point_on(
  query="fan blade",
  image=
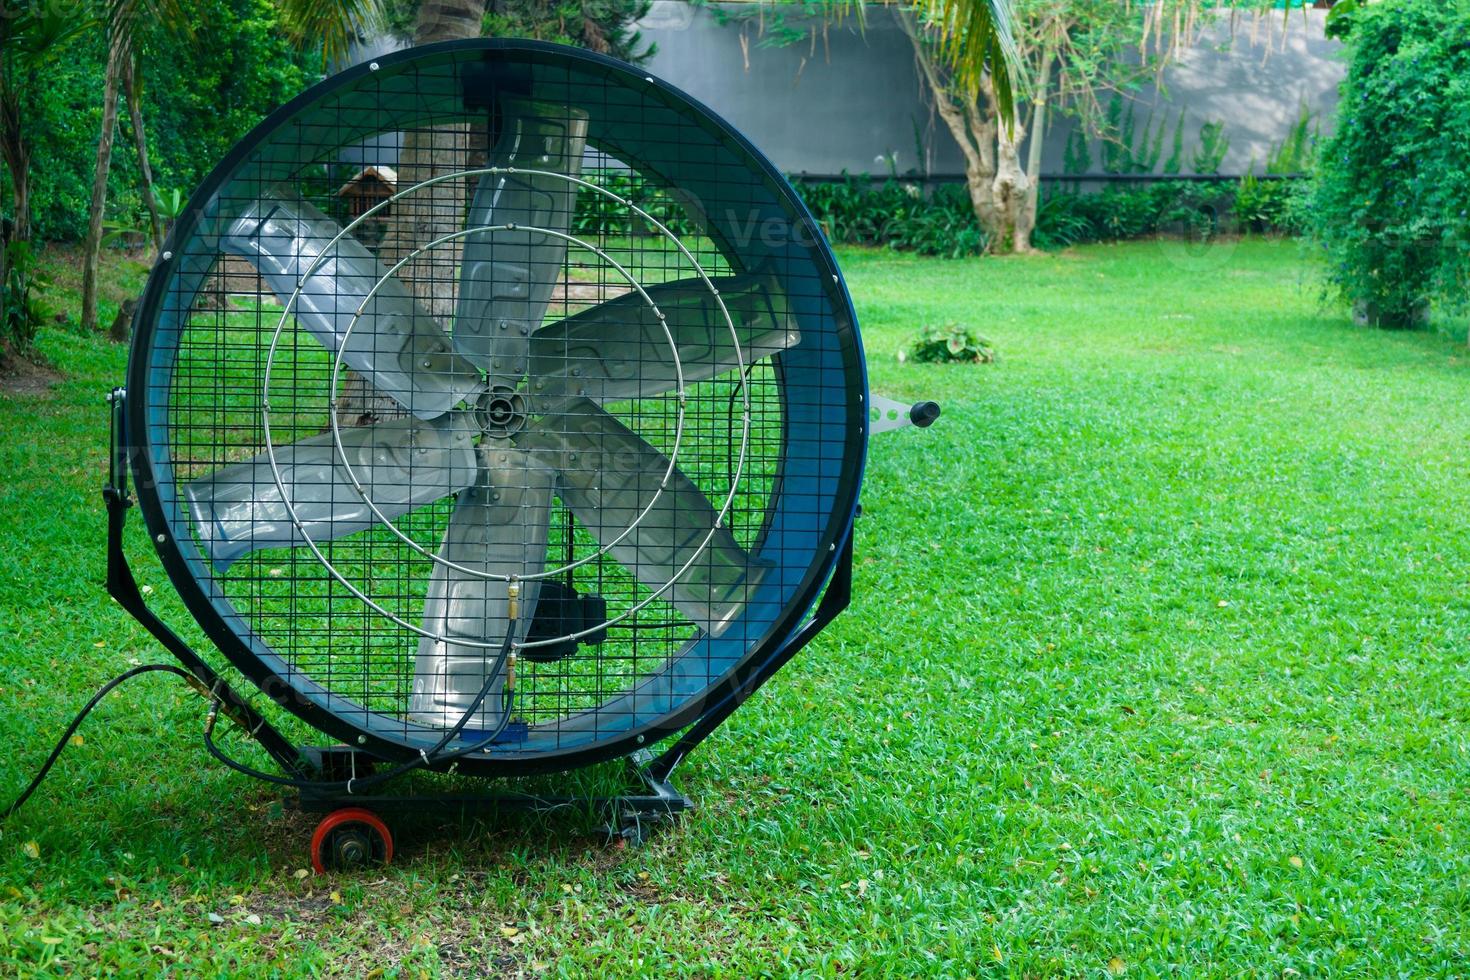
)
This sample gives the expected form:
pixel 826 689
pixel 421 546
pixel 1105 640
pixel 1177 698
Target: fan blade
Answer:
pixel 401 464
pixel 507 277
pixel 619 349
pixel 608 475
pixel 499 526
pixel 395 343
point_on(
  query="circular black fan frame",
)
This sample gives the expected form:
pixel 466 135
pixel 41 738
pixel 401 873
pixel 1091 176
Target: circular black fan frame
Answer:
pixel 494 400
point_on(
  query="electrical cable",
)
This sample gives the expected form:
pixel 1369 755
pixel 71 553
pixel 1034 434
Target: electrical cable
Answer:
pixel 426 757
pixel 76 722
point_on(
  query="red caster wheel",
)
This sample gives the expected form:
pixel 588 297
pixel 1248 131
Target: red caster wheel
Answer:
pixel 349 839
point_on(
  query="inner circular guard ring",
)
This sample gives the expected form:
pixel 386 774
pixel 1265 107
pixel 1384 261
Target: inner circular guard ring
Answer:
pixel 289 633
pixel 509 399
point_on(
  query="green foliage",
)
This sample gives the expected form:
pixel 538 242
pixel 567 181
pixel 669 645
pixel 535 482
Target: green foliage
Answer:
pixel 857 211
pixel 1213 145
pixel 1393 188
pixel 1340 18
pixel 21 287
pixel 1128 150
pixel 1117 146
pixel 1264 204
pixel 201 92
pixel 605 26
pixel 950 343
pixel 944 226
pixel 1060 221
pixel 1298 150
pixel 1175 164
pixel 1077 158
pixel 1123 211
pixel 1156 148
pixel 601 216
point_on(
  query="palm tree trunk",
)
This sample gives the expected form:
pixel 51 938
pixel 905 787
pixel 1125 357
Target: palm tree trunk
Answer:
pixel 16 153
pixel 448 20
pixel 140 140
pixel 972 128
pixel 117 55
pixel 428 214
pixel 1026 219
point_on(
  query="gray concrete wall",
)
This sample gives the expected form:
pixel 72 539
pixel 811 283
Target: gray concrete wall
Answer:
pixel 853 96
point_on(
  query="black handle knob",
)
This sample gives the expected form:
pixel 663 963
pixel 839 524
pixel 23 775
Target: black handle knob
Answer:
pixel 923 414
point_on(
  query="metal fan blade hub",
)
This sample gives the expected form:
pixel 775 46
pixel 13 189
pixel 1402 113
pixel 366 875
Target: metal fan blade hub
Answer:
pixel 501 412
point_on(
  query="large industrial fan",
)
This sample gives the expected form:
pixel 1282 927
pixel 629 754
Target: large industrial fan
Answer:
pixel 494 407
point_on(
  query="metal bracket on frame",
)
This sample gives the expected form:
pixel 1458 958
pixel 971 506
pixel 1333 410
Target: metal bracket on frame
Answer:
pixel 885 414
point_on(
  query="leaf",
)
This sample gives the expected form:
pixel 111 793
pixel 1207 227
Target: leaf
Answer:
pixel 51 940
pixel 31 850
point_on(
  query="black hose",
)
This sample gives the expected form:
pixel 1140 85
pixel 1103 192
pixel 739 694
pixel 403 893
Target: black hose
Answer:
pixel 427 757
pixel 76 722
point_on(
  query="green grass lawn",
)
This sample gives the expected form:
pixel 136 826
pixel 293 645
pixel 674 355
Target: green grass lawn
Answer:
pixel 1157 661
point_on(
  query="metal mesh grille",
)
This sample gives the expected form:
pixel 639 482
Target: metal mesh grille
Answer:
pixel 441 338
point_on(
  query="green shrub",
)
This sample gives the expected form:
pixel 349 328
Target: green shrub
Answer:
pixel 1060 221
pixel 1393 183
pixel 1122 211
pixel 600 216
pixel 951 344
pixel 1267 205
pixel 20 297
pixel 856 211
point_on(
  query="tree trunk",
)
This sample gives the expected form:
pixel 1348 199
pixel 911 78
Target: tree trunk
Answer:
pixel 972 128
pixel 140 140
pixel 421 217
pixel 16 153
pixel 117 55
pixel 1011 190
pixel 980 174
pixel 448 20
pixel 1011 186
pixel 1026 219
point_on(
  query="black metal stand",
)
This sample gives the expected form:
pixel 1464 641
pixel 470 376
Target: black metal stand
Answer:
pixel 651 799
pixel 646 803
pixel 123 587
